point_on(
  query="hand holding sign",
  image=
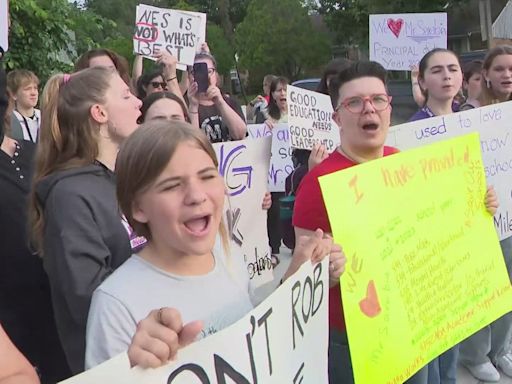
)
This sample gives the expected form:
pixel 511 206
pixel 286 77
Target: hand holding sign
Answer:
pixel 337 262
pixel 315 248
pixel 159 336
pixel 318 154
pixel 166 61
pixel 491 200
pixel 158 29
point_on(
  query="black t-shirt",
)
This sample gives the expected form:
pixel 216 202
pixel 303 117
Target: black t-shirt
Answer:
pixel 210 120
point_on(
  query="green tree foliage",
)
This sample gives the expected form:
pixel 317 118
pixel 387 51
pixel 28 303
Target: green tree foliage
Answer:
pixel 277 37
pixel 91 29
pixel 46 35
pixel 40 37
pixel 348 19
pixel 220 48
pixel 123 20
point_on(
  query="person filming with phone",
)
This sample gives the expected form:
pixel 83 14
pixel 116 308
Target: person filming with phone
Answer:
pixel 219 116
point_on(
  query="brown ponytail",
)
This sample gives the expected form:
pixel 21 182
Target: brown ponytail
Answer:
pixel 68 136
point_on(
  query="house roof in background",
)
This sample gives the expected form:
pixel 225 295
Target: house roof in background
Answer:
pixel 502 26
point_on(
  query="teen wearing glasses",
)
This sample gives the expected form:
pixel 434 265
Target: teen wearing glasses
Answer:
pixel 363 113
pixel 220 117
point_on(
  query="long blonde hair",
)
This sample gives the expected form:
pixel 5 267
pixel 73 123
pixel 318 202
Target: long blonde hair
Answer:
pixel 487 95
pixel 69 136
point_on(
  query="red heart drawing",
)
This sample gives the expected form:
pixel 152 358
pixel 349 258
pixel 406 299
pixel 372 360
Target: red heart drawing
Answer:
pixel 370 305
pixel 395 26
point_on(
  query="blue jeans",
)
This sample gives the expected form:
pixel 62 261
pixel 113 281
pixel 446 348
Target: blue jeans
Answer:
pixel 494 340
pixel 443 369
pixel 420 377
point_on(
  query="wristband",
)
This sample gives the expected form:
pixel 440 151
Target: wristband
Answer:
pixel 194 112
pixel 171 79
pixel 415 83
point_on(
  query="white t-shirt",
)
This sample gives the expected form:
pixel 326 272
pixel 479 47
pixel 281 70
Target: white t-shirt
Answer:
pixel 30 125
pixel 219 298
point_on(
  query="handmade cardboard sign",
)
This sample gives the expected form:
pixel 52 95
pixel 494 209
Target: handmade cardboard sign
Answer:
pixel 493 124
pixel 244 166
pixel 424 266
pixel 310 119
pixel 281 164
pixel 166 30
pixel 201 35
pixel 399 41
pixel 283 340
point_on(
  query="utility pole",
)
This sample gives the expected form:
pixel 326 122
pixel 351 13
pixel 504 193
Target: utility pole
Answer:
pixel 484 7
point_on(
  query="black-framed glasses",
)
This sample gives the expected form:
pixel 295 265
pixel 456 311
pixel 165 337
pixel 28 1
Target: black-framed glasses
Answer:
pixel 157 84
pixel 379 102
pixel 211 71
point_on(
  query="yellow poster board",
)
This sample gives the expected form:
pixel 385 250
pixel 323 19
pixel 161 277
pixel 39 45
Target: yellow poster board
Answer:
pixel 424 266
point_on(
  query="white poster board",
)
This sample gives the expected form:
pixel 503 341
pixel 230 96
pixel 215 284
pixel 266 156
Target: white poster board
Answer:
pixel 494 125
pixel 281 164
pixel 310 119
pixel 283 340
pixel 167 30
pixel 398 41
pixel 201 36
pixel 4 24
pixel 244 166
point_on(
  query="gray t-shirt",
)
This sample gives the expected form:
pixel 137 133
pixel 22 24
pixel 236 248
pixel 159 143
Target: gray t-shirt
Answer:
pixel 219 298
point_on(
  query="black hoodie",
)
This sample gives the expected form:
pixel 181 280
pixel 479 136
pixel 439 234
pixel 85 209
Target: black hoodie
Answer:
pixel 84 241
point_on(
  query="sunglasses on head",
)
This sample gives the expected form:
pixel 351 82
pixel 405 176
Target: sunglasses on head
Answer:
pixel 156 84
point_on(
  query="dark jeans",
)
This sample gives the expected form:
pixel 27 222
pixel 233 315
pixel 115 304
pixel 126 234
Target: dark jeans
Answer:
pixel 274 223
pixel 340 365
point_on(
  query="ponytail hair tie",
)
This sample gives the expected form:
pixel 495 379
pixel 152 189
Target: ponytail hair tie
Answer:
pixel 66 78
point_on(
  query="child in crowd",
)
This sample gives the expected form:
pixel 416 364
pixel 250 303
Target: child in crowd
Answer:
pixel 23 88
pixel 440 78
pixel 74 213
pixel 163 106
pixel 490 347
pixel 102 57
pixel 171 192
pixel 472 84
